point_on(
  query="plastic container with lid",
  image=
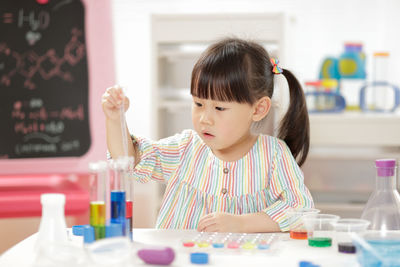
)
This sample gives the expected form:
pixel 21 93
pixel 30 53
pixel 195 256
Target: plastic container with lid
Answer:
pixel 383 206
pixel 351 69
pixel 324 96
pixel 379 95
pixel 352 61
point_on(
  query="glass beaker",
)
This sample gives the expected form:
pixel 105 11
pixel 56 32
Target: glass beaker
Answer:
pixel 343 228
pixel 320 229
pixel 296 225
pixel 383 206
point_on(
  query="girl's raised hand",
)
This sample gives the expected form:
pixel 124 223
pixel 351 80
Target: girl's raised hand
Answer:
pixel 220 222
pixel 112 100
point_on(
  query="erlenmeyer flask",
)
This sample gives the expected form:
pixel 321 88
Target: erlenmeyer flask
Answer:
pixel 53 228
pixel 383 206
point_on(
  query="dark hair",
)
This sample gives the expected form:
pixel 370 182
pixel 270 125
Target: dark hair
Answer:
pixel 240 71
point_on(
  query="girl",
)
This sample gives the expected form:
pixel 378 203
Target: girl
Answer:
pixel 221 176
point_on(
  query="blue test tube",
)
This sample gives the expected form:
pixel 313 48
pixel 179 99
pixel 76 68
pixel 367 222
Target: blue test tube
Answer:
pixel 118 193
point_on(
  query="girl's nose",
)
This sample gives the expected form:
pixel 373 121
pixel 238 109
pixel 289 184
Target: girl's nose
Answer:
pixel 205 118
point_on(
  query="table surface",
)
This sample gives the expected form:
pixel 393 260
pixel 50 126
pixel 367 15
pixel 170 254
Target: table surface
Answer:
pixel 284 252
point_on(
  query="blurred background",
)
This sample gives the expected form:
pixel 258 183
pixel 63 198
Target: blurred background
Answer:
pixel 345 53
pixel 331 47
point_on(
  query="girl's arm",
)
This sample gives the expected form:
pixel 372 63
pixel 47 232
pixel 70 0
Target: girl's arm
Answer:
pixel 258 222
pixel 115 143
pixel 246 223
pixel 111 102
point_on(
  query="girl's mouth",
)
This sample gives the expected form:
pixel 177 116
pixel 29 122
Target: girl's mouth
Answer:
pixel 208 135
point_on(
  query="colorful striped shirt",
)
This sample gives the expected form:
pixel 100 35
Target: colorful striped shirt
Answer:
pixel 266 179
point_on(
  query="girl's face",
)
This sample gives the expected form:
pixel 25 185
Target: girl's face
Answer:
pixel 224 126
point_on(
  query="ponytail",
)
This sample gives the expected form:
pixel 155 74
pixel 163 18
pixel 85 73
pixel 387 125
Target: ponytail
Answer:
pixel 294 128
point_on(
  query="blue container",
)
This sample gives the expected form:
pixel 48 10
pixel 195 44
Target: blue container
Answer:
pixel 338 102
pixel 396 92
pixel 352 62
pixel 329 69
pixel 384 251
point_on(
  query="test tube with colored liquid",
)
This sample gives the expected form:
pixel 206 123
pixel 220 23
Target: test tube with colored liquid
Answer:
pixel 129 200
pixel 118 193
pixel 98 183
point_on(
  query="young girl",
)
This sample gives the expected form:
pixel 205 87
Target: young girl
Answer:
pixel 221 176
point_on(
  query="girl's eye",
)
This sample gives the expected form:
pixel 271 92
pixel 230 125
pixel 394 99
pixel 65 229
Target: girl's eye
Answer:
pixel 219 108
pixel 198 104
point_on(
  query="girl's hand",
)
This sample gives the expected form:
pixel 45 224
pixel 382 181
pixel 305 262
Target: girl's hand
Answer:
pixel 112 100
pixel 220 222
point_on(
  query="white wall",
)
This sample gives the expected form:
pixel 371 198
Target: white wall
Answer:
pixel 316 29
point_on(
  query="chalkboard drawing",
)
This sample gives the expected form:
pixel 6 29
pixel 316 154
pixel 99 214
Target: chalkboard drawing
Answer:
pixel 47 65
pixel 43 80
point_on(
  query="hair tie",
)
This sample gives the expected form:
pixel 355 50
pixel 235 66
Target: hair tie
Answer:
pixel 275 68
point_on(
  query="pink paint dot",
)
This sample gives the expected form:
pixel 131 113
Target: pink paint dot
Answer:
pixel 233 244
pixel 17 105
pixel 42 2
pixel 188 244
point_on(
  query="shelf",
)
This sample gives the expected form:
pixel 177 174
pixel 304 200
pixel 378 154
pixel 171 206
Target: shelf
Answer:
pixel 178 51
pixel 354 129
pixel 172 52
pixel 360 153
pixel 182 94
pixel 175 105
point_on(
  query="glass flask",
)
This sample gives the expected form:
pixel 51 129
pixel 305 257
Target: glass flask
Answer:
pixel 53 228
pixel 383 206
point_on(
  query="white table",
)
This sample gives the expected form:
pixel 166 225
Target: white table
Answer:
pixel 286 252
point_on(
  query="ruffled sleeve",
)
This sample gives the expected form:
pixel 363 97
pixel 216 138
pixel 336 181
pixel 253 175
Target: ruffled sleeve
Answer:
pixel 286 186
pixel 160 159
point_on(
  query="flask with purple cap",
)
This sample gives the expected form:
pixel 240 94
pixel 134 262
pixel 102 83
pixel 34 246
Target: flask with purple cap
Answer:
pixel 383 206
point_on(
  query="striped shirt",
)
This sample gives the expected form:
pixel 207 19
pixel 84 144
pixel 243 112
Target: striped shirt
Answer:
pixel 267 179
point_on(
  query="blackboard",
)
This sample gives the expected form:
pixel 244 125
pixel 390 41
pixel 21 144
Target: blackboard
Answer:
pixel 44 82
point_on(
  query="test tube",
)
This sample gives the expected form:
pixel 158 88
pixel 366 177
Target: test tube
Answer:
pixel 98 183
pixel 129 200
pixel 118 193
pixel 123 125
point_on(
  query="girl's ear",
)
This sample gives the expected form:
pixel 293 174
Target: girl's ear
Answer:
pixel 261 108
